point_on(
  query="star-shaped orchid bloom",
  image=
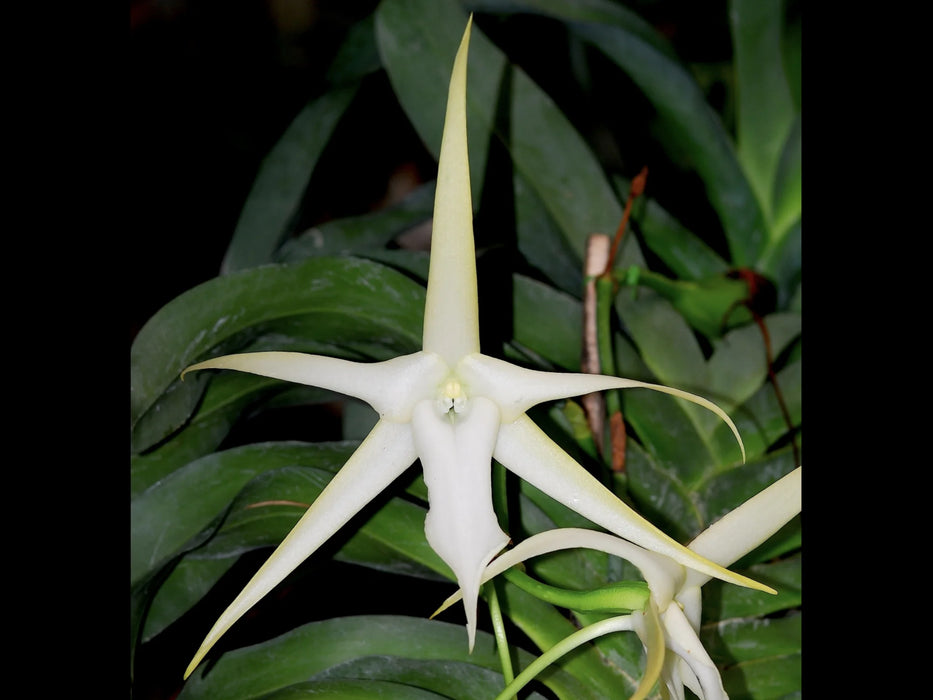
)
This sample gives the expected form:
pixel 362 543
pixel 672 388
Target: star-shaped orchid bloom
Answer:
pixel 671 619
pixel 453 408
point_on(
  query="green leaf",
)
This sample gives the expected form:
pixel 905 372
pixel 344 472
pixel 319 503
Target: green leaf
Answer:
pixel 389 539
pixel 417 41
pixel 548 322
pixel 334 305
pixel 312 649
pixel 388 536
pixel 774 678
pixel 222 404
pixel 660 495
pixel 357 56
pixel 342 689
pixel 787 195
pixel 188 583
pixel 682 251
pixel 561 193
pixel 765 106
pixel 166 516
pixel 760 420
pixel 762 655
pixel 730 487
pixel 696 132
pixel 281 182
pixel 722 601
pixel 665 341
pixel 747 640
pixel 358 234
pixel 456 680
pixel 738 366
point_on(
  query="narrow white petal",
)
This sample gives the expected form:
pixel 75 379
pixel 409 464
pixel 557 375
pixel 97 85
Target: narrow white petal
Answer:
pixel 647 626
pixel 741 530
pixel 673 685
pixel 451 316
pixel 683 641
pixel 527 451
pixel 516 389
pixel 391 387
pixel 461 525
pixel 386 452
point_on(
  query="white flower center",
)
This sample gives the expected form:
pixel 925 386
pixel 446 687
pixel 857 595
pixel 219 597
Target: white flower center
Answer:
pixel 452 397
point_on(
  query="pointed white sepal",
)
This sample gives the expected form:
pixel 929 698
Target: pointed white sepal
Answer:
pixel 385 453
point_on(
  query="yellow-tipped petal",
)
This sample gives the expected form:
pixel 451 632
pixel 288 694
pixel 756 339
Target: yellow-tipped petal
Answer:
pixel 525 449
pixel 742 529
pixel 516 389
pixel 451 315
pixel 379 460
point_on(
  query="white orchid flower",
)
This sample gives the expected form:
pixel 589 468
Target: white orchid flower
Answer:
pixel 453 408
pixel 671 619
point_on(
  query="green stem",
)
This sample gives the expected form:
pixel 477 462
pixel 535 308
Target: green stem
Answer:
pixel 498 628
pixel 613 624
pixel 615 598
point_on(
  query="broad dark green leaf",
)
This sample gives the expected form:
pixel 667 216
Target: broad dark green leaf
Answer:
pixel 728 489
pixel 787 195
pixel 342 689
pixel 683 252
pixel 548 322
pixel 660 495
pixel 282 180
pixel 417 42
pixel 541 242
pixel 696 132
pixel 357 56
pixel 723 601
pixel 665 341
pixel 774 636
pixel 222 404
pixel 359 234
pixel 760 420
pixel 389 535
pixel 557 177
pixel 738 366
pixel 189 581
pixel 765 110
pixel 390 538
pixel 314 648
pixel 774 678
pixel 783 264
pixel 456 680
pixel 169 514
pixel 762 655
pixel 322 304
